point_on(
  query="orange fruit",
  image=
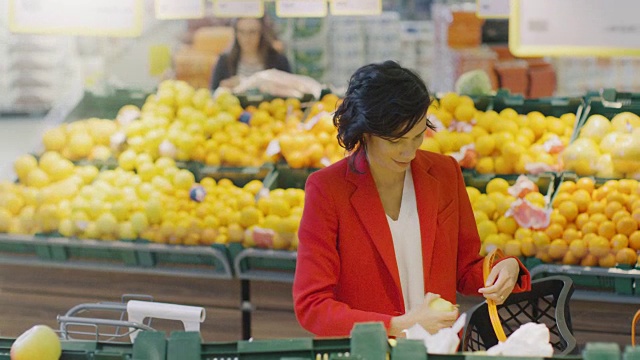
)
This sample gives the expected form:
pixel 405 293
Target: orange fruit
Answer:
pixel 582 198
pixel 598 218
pixel 607 229
pixel 636 215
pixel 607 261
pixel 522 233
pixel 611 184
pixel 596 207
pixel 578 248
pixel 634 240
pixel 567 186
pixel 586 183
pixel 619 215
pixel 543 255
pixel 570 259
pixel 571 226
pixel 617 197
pixel 627 186
pixel 569 210
pixel 513 248
pixel 541 240
pixel 589 260
pixel 557 249
pixel 581 220
pixel 507 225
pixel 557 218
pixel 554 231
pixel 611 208
pixel 599 246
pixel 560 198
pixel 589 227
pixel 626 256
pixel 527 247
pixel 571 234
pixel 626 225
pixel 633 203
pixel 619 241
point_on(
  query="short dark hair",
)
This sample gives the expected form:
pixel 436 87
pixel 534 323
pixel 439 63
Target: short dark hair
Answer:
pixel 382 99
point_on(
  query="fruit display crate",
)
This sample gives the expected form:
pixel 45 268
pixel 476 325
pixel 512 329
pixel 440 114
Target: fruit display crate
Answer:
pixel 546 182
pixel 262 264
pixel 238 175
pixel 609 107
pixel 137 256
pixel 285 177
pixel 552 106
pixel 105 106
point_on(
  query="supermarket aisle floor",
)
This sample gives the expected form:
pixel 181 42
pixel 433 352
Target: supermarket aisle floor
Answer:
pixel 18 135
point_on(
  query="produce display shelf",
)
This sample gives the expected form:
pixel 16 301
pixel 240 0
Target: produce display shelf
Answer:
pixel 118 256
pixel 285 177
pixel 105 106
pixel 238 175
pixel 617 284
pixel 263 264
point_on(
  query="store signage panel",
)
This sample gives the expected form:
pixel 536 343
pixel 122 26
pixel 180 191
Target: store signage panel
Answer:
pixel 492 9
pixel 356 7
pixel 301 8
pixel 120 18
pixel 574 28
pixel 182 9
pixel 238 8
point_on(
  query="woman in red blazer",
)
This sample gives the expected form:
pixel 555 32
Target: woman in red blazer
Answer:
pixel 350 260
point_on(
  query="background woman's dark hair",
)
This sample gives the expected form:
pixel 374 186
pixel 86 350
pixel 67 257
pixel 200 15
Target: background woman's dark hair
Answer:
pixel 384 100
pixel 265 48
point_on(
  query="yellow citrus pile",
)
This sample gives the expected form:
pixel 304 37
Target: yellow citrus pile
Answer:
pixel 42 196
pixel 84 139
pixel 505 142
pixel 606 148
pixel 593 226
pixel 496 229
pixel 313 143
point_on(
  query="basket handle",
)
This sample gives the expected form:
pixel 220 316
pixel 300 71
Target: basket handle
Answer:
pixel 488 263
pixel 633 327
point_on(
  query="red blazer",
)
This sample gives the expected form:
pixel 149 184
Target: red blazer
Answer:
pixel 346 270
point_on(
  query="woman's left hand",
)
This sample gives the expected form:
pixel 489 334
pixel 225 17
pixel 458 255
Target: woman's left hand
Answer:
pixel 501 280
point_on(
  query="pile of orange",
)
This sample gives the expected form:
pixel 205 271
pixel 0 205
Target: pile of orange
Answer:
pixel 592 226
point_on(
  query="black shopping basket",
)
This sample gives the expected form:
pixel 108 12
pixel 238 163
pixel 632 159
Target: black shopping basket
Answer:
pixel 547 303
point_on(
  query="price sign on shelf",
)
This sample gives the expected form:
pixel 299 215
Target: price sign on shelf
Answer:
pixel 183 9
pixel 492 9
pixel 574 28
pixel 76 17
pixel 238 8
pixel 356 7
pixel 301 8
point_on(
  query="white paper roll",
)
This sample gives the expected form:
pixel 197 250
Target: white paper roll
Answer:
pixel 191 316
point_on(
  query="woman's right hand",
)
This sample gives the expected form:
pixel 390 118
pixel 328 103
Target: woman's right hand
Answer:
pixel 430 319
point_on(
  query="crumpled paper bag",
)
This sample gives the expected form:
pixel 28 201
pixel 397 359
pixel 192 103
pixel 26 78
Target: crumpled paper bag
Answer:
pixel 445 341
pixel 531 339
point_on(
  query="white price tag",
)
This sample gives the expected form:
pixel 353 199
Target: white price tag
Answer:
pixel 492 9
pixel 183 9
pixel 121 18
pixel 238 8
pixel 574 28
pixel 273 148
pixel 356 7
pixel 301 8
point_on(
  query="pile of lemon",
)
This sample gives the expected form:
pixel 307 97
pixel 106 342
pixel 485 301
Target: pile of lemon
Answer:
pixel 505 142
pixel 496 229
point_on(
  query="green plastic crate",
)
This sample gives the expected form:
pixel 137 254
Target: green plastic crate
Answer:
pixel 286 177
pixel 546 181
pixel 24 246
pixel 258 263
pixel 600 106
pixel 193 259
pixel 105 106
pixel 95 251
pixel 240 176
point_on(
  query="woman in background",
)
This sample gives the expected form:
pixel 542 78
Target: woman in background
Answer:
pixel 252 51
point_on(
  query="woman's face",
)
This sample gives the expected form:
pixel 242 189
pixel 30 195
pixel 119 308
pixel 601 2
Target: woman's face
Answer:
pixel 248 33
pixel 395 155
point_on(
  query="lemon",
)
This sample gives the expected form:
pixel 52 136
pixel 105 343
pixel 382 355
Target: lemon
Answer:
pixel 498 185
pixel 485 165
pixel 486 228
pixel 536 198
pixel 473 194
